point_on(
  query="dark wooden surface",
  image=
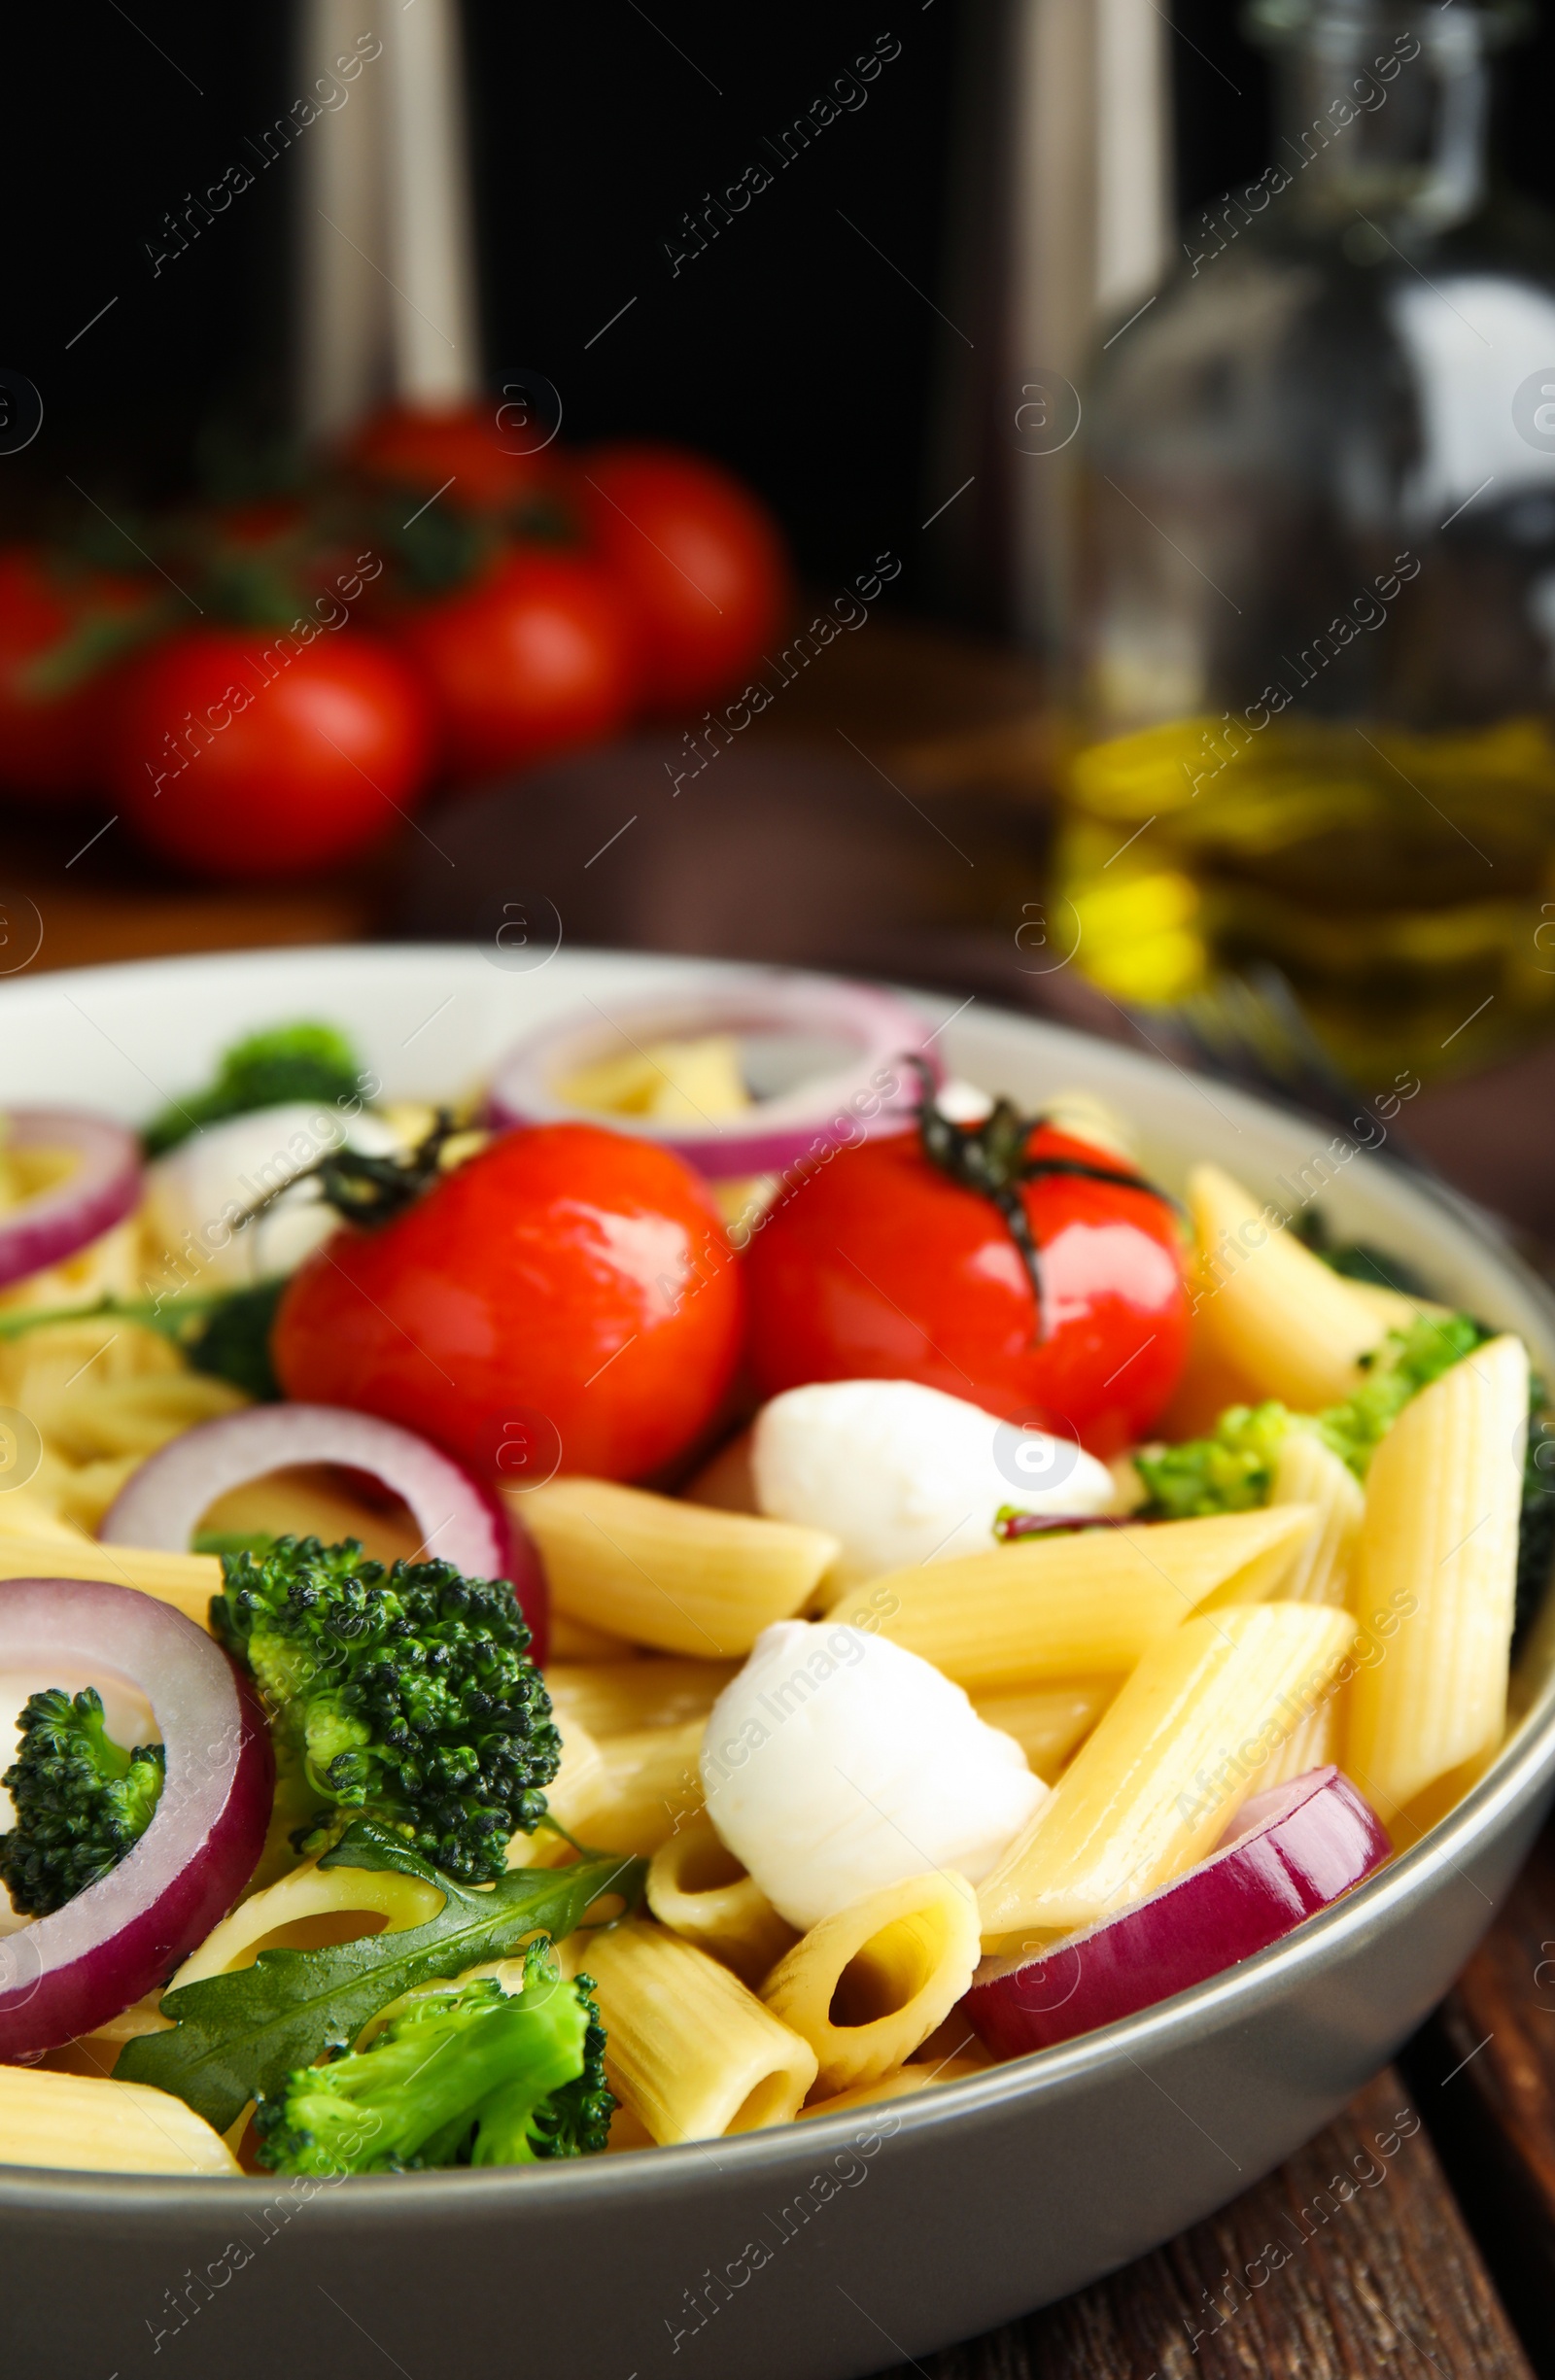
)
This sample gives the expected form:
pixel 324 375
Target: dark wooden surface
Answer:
pixel 1424 2268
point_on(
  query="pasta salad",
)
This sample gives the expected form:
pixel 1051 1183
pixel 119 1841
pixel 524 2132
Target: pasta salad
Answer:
pixel 719 1578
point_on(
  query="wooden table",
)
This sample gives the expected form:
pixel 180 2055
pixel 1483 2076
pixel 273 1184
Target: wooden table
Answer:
pixel 1426 2269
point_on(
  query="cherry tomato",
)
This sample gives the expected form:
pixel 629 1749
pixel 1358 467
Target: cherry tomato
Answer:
pixel 879 1267
pixel 702 558
pixel 59 633
pixel 247 753
pixel 424 447
pixel 539 654
pixel 565 1285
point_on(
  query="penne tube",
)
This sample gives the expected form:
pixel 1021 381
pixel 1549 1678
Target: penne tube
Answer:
pixel 1308 1472
pixel 571 1799
pixel 571 1640
pixel 186 1582
pixel 898 2085
pixel 1315 1742
pixel 867 1985
pixel 1435 1587
pixel 1168 1766
pixel 308 1909
pixel 1395 1309
pixel 135 1417
pixel 101 2126
pixel 1267 1306
pixel 309 1501
pixel 629 1794
pixel 698 1890
pixel 680 1576
pixel 690 2050
pixel 1074 1605
pixel 1048 1722
pixel 28 1516
pixel 622 1697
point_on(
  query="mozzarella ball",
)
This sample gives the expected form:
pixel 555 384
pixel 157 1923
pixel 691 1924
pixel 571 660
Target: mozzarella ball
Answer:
pixel 902 1473
pixel 836 1762
pixel 197 1196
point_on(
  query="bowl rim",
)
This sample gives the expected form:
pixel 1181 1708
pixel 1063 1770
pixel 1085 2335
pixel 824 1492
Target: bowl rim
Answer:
pixel 611 2184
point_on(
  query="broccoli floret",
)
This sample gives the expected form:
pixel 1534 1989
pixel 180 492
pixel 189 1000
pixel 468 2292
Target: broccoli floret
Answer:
pixel 1233 1471
pixel 476 2076
pixel 290 1061
pixel 81 1800
pixel 406 1693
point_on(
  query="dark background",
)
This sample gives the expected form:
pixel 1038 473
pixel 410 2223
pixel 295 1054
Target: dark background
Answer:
pixel 789 347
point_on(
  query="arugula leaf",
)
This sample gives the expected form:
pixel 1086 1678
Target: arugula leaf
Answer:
pixel 237 2037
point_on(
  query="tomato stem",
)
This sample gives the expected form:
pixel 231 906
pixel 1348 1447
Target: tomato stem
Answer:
pixel 991 1159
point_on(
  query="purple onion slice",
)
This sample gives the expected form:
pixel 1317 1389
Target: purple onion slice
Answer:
pixel 102 1190
pixel 123 1936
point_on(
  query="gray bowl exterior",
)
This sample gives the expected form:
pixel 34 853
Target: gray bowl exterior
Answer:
pixel 839 2246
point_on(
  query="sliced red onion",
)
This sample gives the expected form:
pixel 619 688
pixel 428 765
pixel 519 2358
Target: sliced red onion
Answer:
pixel 1291 1851
pixel 103 1189
pixel 162 1502
pixel 846 1102
pixel 126 1934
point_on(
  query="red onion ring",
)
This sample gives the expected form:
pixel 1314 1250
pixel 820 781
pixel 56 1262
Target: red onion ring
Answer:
pixel 161 1501
pixel 104 1187
pixel 1291 1851
pixel 126 1934
pixel 827 1110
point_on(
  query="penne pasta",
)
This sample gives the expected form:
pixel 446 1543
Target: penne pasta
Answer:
pixel 1048 1722
pixel 1395 1309
pixel 1267 1306
pixel 1437 1582
pixel 186 1582
pixel 1186 1741
pixel 571 1640
pixel 690 2050
pixel 698 1890
pixel 629 1794
pixel 901 2084
pixel 1308 1472
pixel 622 1697
pixel 310 1501
pixel 1316 1742
pixel 866 1987
pixel 304 1910
pixel 571 1799
pixel 680 1576
pixel 101 2126
pixel 1068 1606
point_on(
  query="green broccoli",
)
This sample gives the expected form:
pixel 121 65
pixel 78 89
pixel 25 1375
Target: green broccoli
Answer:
pixel 80 1801
pixel 290 1061
pixel 1233 1471
pixel 474 2076
pixel 406 1693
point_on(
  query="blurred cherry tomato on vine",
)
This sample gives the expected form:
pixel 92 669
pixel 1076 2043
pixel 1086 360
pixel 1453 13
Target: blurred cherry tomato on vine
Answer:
pixel 247 753
pixel 491 453
pixel 565 1281
pixel 702 558
pixel 61 630
pixel 538 654
pixel 880 1267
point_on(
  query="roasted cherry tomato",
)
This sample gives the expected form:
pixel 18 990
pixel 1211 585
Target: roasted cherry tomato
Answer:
pixel 703 561
pixel 884 1266
pixel 537 655
pixel 60 631
pixel 251 754
pixel 569 1288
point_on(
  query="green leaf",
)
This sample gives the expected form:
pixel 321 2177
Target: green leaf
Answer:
pixel 237 2037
